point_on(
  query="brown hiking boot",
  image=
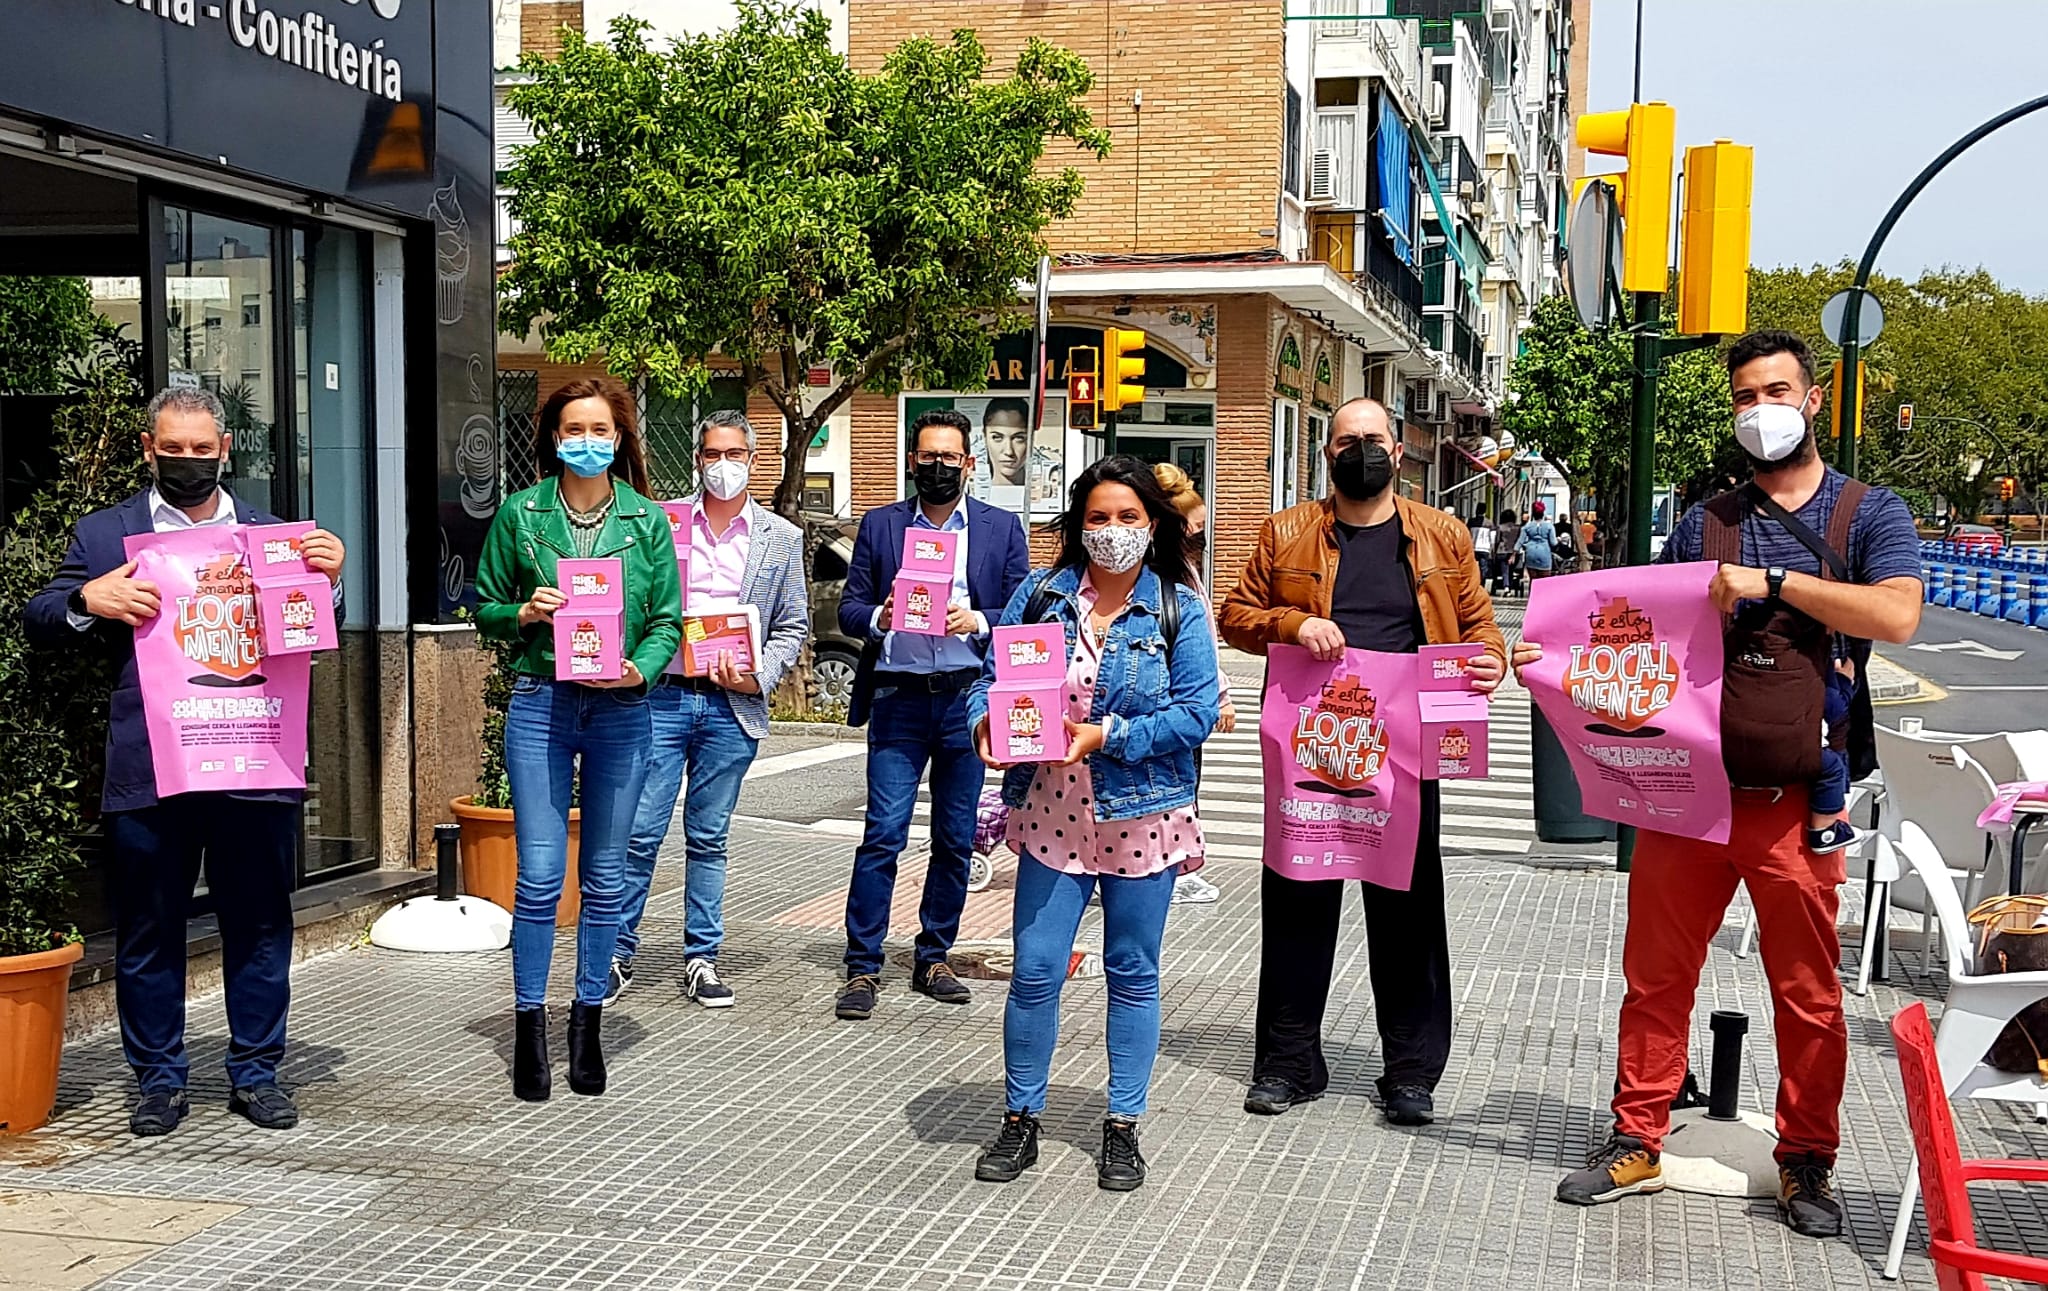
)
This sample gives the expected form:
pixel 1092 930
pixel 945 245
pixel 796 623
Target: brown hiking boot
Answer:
pixel 1622 1166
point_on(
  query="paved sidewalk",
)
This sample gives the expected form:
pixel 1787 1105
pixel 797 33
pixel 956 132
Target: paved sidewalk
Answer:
pixel 769 1146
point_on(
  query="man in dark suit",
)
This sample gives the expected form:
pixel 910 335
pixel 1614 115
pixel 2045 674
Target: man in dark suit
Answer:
pixel 247 840
pixel 911 692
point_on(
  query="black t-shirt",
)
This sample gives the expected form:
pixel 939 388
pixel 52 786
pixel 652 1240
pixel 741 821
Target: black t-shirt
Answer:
pixel 1374 602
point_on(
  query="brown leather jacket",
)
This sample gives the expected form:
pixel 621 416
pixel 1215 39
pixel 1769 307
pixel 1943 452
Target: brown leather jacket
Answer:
pixel 1290 577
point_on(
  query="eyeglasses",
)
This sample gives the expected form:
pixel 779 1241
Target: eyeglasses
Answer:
pixel 942 459
pixel 729 455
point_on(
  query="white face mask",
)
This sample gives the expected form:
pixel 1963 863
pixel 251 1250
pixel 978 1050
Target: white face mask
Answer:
pixel 1771 432
pixel 1117 547
pixel 725 480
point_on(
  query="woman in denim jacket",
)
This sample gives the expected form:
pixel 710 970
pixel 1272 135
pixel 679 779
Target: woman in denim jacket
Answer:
pixel 1118 811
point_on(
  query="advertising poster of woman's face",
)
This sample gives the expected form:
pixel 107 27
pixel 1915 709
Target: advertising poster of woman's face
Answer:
pixel 1014 469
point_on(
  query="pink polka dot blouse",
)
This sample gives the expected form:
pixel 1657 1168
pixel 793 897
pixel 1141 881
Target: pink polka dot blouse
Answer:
pixel 1057 824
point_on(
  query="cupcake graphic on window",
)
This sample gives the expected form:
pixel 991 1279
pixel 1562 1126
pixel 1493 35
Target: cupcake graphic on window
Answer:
pixel 451 252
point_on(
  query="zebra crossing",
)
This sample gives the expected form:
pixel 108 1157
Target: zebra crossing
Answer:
pixel 1490 817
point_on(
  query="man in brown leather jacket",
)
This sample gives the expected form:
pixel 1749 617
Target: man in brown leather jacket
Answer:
pixel 1366 569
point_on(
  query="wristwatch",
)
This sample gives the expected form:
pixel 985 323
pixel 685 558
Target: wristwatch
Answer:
pixel 1774 579
pixel 75 603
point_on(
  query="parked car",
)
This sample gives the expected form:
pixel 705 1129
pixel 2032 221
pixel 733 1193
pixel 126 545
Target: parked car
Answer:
pixel 1977 537
pixel 834 656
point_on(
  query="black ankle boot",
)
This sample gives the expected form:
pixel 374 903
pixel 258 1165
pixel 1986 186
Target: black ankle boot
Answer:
pixel 531 1079
pixel 586 1055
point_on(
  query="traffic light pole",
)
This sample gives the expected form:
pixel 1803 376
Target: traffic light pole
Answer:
pixel 1642 474
pixel 1109 434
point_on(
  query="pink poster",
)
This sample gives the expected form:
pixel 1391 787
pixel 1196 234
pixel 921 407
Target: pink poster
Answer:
pixel 1630 680
pixel 1341 744
pixel 220 715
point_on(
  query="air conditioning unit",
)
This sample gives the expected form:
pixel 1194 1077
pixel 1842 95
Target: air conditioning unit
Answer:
pixel 1322 176
pixel 1435 106
pixel 1485 322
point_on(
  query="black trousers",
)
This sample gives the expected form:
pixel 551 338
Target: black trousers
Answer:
pixel 1407 945
pixel 247 848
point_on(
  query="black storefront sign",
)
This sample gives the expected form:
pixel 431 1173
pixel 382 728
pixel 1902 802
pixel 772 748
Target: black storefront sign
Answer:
pixel 1011 366
pixel 382 103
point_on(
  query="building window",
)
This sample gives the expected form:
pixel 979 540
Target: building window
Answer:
pixel 1291 166
pixel 252 311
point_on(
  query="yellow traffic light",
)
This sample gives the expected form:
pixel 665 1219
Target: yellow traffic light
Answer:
pixel 2007 487
pixel 1613 181
pixel 1713 240
pixel 1835 400
pixel 1646 134
pixel 1123 368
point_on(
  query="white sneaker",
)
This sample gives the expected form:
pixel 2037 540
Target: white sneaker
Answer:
pixel 700 983
pixel 1193 889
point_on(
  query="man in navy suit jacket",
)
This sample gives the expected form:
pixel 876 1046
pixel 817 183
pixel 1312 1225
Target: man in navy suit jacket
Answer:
pixel 247 840
pixel 911 693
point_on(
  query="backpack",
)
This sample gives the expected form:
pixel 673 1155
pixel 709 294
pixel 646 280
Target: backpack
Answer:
pixel 1778 659
pixel 1169 610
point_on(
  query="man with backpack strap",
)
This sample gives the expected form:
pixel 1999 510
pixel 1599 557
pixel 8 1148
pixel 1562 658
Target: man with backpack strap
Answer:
pixel 1364 569
pixel 1785 592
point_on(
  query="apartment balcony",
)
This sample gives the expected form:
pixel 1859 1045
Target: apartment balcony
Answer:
pixel 1504 129
pixel 1353 42
pixel 1457 340
pixel 1356 245
pixel 1457 168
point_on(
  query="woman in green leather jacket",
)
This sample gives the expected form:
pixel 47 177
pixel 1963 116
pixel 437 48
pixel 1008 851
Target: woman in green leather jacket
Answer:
pixel 591 505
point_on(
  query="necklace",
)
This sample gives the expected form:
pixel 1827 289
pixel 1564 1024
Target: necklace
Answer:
pixel 592 518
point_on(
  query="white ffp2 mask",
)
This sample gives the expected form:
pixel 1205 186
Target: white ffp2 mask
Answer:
pixel 726 480
pixel 1771 432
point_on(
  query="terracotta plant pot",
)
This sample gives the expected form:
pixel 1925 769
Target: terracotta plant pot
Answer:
pixel 490 857
pixel 32 991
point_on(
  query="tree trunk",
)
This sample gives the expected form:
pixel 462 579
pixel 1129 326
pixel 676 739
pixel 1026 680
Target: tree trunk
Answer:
pixel 796 450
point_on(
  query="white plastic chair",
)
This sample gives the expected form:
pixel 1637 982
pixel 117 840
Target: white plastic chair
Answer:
pixel 1977 1008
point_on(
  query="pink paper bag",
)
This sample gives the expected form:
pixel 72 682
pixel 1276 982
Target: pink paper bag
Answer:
pixel 1339 742
pixel 220 715
pixel 295 605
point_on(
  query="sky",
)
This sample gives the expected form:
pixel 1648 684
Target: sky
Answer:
pixel 1845 101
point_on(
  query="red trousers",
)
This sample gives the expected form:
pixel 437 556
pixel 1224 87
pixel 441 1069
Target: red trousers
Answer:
pixel 1678 892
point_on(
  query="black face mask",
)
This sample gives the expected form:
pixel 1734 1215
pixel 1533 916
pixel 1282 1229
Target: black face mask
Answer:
pixel 1362 471
pixel 186 481
pixel 938 483
pixel 1198 543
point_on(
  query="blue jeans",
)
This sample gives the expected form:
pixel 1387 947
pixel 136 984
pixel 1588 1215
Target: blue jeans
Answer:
pixel 1048 914
pixel 550 726
pixel 907 729
pixel 1830 793
pixel 696 733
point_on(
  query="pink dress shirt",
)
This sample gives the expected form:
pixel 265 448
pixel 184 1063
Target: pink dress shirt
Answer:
pixel 718 561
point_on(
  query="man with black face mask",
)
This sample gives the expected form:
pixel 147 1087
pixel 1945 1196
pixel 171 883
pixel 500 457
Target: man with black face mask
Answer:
pixel 911 693
pixel 247 840
pixel 1370 570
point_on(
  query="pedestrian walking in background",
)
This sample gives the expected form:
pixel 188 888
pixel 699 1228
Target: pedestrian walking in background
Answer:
pixel 1786 592
pixel 1537 544
pixel 1191 888
pixel 1365 569
pixel 1118 813
pixel 585 741
pixel 1483 536
pixel 246 841
pixel 710 727
pixel 911 694
pixel 1507 544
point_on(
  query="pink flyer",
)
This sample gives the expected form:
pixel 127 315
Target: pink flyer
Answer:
pixel 220 715
pixel 1630 679
pixel 1341 743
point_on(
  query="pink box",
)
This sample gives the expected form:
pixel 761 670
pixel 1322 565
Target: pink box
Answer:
pixel 921 603
pixel 1030 652
pixel 588 630
pixel 1026 720
pixel 930 551
pixel 1453 714
pixel 680 517
pixel 294 605
pixel 587 646
pixel 706 636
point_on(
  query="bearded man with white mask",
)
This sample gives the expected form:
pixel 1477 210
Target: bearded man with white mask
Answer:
pixel 709 728
pixel 1809 559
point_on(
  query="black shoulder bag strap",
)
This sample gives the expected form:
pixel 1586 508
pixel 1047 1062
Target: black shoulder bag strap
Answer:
pixel 1836 563
pixel 1041 598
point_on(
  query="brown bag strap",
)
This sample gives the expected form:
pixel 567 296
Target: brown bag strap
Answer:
pixel 1843 517
pixel 1722 540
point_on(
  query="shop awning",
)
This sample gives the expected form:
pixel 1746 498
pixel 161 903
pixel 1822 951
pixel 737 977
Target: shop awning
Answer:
pixel 1496 475
pixel 1310 286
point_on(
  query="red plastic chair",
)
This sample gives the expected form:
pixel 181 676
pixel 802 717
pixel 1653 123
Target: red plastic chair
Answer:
pixel 1959 1263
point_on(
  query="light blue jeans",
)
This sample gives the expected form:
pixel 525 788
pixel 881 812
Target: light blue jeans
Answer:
pixel 549 727
pixel 1048 915
pixel 695 733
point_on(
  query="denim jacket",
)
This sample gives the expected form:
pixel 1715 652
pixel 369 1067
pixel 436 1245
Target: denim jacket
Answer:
pixel 1155 710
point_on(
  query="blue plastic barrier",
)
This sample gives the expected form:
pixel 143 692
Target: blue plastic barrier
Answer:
pixel 2012 606
pixel 2037 600
pixel 1966 591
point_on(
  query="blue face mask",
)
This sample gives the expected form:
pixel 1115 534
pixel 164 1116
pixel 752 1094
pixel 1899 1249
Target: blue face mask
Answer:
pixel 586 455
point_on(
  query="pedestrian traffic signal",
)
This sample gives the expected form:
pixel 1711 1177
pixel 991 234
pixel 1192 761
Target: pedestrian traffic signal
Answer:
pixel 1905 417
pixel 1646 134
pixel 1123 368
pixel 1713 241
pixel 1082 397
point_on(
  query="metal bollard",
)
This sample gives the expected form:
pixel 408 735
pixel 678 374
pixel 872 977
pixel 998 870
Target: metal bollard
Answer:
pixel 1560 814
pixel 447 862
pixel 1728 1027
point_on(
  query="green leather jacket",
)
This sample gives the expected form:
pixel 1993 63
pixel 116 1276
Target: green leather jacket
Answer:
pixel 531 532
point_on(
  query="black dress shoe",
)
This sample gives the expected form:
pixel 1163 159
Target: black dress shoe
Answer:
pixel 856 1002
pixel 1410 1105
pixel 531 1078
pixel 264 1106
pixel 586 1054
pixel 1014 1151
pixel 1121 1167
pixel 1274 1095
pixel 937 981
pixel 158 1113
